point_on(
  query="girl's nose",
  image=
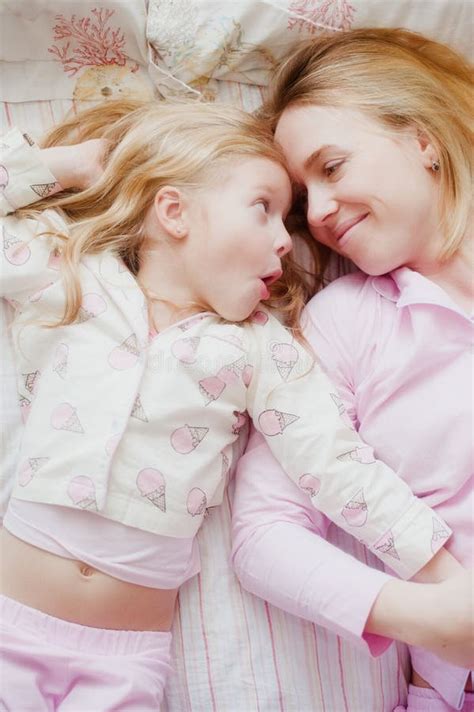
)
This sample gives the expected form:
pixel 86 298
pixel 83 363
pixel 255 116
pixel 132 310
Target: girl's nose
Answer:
pixel 284 243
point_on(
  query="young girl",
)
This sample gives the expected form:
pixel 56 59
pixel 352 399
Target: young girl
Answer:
pixel 376 125
pixel 141 345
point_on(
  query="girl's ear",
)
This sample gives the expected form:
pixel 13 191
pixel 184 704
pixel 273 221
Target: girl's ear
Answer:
pixel 169 208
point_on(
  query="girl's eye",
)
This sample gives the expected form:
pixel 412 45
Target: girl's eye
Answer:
pixel 263 204
pixel 330 169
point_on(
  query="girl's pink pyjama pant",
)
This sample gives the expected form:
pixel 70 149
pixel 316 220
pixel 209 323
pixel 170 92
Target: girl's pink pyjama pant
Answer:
pixel 49 664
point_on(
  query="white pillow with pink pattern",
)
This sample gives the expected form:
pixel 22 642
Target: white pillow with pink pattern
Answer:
pixel 195 42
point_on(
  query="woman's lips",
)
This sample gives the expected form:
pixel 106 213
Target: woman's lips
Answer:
pixel 344 234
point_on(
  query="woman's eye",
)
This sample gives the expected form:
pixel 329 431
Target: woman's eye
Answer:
pixel 330 169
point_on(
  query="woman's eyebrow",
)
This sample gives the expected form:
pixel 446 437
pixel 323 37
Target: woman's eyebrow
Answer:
pixel 314 157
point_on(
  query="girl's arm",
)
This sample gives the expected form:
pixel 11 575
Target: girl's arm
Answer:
pixel 28 174
pixel 77 166
pixel 305 422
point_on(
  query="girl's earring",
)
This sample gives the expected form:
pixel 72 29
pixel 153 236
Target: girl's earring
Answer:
pixel 435 166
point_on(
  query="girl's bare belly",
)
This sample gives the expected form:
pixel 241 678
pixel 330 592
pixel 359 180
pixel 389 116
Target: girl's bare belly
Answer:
pixel 75 592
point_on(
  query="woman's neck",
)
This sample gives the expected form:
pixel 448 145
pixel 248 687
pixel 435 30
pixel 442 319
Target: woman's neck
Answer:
pixel 455 276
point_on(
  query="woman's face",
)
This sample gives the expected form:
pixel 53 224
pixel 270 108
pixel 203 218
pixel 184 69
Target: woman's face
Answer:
pixel 371 196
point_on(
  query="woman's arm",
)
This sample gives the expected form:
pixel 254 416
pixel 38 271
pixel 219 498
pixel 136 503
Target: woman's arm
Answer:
pixel 279 554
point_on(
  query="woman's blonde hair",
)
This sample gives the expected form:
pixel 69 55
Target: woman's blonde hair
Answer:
pixel 152 144
pixel 400 79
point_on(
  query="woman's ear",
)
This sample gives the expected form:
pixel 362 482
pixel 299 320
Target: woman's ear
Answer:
pixel 169 208
pixel 428 153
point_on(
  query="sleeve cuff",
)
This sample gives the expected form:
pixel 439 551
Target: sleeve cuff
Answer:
pixel 24 178
pixel 412 541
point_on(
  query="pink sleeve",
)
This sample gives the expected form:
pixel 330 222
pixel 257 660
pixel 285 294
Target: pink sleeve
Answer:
pixel 279 550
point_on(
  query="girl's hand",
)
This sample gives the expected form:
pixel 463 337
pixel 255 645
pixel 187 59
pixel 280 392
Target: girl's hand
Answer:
pixel 78 166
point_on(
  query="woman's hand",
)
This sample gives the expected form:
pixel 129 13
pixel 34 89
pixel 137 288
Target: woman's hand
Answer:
pixel 451 635
pixel 438 617
pixel 78 166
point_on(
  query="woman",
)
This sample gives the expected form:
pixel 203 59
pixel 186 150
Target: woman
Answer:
pixel 376 127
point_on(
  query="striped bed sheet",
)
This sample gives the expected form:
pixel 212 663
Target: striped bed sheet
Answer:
pixel 233 652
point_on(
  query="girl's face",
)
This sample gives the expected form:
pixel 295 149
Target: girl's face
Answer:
pixel 371 196
pixel 237 236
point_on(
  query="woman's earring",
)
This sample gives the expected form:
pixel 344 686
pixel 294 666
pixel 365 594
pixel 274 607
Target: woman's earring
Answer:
pixel 435 166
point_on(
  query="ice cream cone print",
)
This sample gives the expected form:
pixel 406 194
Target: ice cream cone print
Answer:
pixel 4 177
pixel 30 381
pixel 151 484
pixel 54 261
pixel 337 400
pixel 92 305
pixel 247 374
pixel 29 469
pixel 61 357
pixel 126 355
pixel 44 189
pixel 259 317
pixel 310 484
pixel 232 371
pixel 15 250
pixel 240 422
pixel 81 492
pixel 285 356
pixel 211 388
pixel 187 438
pixel 64 417
pixel 355 510
pixel 440 533
pixel 185 350
pixel 274 422
pixel 196 502
pixel 364 455
pixel 137 411
pixel 25 407
pixel 387 545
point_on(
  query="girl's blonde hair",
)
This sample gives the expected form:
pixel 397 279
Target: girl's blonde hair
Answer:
pixel 400 79
pixel 152 144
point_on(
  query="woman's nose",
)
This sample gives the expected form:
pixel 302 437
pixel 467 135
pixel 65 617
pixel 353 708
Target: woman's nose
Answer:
pixel 320 206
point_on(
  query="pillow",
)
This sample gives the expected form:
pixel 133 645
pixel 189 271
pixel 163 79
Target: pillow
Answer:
pixel 196 42
pixel 73 49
